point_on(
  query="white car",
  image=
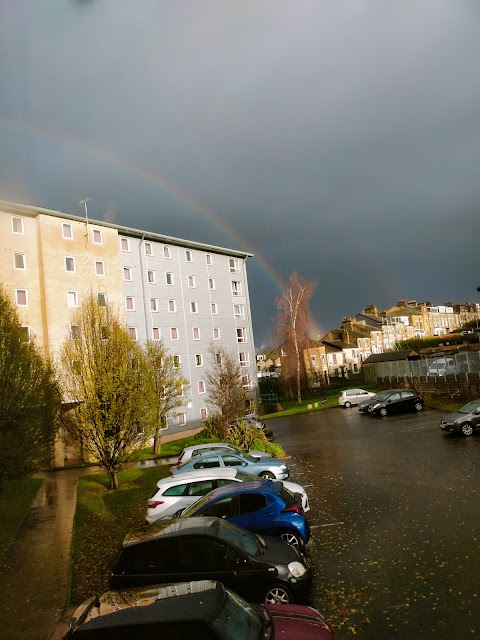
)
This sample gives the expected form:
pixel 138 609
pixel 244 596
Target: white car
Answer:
pixel 216 447
pixel 180 491
pixel 349 397
pixel 442 367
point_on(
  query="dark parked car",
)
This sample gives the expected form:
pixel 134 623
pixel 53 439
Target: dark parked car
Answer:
pixel 261 506
pixel 201 610
pixel 463 421
pixel 368 402
pixel 260 569
pixel 396 401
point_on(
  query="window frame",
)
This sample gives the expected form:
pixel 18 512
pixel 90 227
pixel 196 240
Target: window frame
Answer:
pixel 102 263
pixel 17 291
pixel 127 242
pixel 74 263
pixel 72 294
pixel 22 225
pixel 24 260
pixel 127 299
pixel 67 225
pixel 96 230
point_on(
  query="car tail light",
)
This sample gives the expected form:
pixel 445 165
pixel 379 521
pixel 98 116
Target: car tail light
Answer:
pixel 154 503
pixel 295 509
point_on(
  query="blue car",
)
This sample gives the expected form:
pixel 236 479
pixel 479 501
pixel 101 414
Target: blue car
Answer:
pixel 263 507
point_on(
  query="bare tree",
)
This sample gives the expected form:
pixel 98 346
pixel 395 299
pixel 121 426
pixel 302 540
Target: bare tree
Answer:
pixel 166 379
pixel 293 321
pixel 106 375
pixel 30 398
pixel 224 385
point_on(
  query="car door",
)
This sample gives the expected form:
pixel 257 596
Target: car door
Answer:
pixel 203 558
pixel 209 462
pixel 408 400
pixel 394 403
pixel 476 417
pixel 361 395
pixel 148 562
pixel 227 508
pixel 255 513
pixel 232 460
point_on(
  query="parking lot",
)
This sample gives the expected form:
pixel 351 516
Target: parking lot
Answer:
pixel 395 522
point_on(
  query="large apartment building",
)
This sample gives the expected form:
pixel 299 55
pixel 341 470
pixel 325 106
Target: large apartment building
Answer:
pixel 188 294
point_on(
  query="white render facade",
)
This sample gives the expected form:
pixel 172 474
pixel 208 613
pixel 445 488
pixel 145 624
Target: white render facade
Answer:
pixel 188 294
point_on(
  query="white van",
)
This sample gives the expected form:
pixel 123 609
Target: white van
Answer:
pixel 442 367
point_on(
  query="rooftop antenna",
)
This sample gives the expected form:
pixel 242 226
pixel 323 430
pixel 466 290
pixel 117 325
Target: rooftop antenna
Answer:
pixel 84 202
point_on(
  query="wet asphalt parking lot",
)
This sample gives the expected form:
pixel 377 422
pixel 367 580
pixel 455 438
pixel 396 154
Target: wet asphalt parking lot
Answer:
pixel 395 517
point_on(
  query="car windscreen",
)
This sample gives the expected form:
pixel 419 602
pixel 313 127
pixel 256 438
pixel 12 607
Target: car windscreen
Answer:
pixel 245 477
pixel 470 407
pixel 237 619
pixel 238 537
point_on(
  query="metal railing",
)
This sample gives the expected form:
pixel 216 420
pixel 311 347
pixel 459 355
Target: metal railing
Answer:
pixel 463 364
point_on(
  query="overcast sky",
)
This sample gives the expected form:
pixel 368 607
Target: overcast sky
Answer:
pixel 339 139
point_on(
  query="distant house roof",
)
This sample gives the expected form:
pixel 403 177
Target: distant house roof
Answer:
pixel 391 356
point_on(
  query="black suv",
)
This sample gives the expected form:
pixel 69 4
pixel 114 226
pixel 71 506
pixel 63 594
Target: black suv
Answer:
pixel 261 569
pixel 396 401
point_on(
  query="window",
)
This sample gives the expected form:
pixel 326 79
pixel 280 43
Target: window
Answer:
pixel 173 333
pixel 179 390
pixel 191 282
pixel 104 332
pixel 242 335
pixel 236 288
pixel 74 332
pixel 17 225
pixel 127 274
pixel 169 279
pixel 70 264
pixel 193 307
pixel 132 332
pixel 244 358
pixel 97 236
pixel 214 308
pixel 20 261
pixel 172 306
pixel 218 358
pixel 239 311
pixel 124 244
pixel 129 303
pixel 21 296
pixel 151 276
pixel 148 249
pixel 188 255
pixel 167 252
pixel 211 284
pixel 216 333
pixel 99 268
pixel 154 304
pixel 199 360
pixel 102 299
pixel 176 361
pixel 196 333
pixel 182 419
pixel 246 383
pixel 25 334
pixel 155 333
pixel 72 298
pixel 208 259
pixel 67 231
pixel 163 422
pixel 234 265
pixel 201 386
pixel 203 413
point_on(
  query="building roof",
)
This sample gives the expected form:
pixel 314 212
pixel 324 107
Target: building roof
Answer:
pixel 390 356
pixel 27 209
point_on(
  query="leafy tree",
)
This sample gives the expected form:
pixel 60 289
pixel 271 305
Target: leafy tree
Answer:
pixel 166 379
pixel 224 384
pixel 292 323
pixel 107 376
pixel 30 398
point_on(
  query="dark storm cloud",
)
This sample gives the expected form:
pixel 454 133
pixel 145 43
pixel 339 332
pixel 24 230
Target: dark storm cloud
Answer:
pixel 337 139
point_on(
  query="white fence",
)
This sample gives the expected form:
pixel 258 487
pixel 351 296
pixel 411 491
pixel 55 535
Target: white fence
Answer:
pixel 465 364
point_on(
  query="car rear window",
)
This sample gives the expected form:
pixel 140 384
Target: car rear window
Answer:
pixel 289 498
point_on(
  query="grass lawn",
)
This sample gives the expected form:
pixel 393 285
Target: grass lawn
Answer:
pixel 15 501
pixel 102 519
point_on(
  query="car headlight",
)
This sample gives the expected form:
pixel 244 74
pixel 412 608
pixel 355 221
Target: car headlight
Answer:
pixel 297 569
pixel 375 406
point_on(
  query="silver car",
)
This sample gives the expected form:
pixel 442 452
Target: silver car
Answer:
pixel 463 421
pixel 202 449
pixel 273 468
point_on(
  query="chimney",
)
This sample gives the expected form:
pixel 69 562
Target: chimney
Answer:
pixel 401 303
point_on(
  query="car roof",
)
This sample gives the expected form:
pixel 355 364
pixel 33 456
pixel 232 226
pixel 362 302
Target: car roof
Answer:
pixel 216 472
pixel 265 486
pixel 207 525
pixel 206 445
pixel 198 600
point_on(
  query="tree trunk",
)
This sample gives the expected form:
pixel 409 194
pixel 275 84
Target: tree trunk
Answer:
pixel 156 443
pixel 112 475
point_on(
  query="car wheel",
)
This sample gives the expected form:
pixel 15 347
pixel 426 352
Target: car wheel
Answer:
pixel 467 429
pixel 418 406
pixel 292 538
pixel 278 594
pixel 383 411
pixel 267 475
pixel 347 405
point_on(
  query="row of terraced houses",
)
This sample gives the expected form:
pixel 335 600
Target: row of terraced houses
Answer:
pixel 342 350
pixel 188 294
